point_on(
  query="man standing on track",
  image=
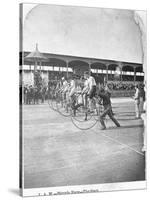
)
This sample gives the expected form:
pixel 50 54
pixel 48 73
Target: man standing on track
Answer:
pixel 107 108
pixel 137 102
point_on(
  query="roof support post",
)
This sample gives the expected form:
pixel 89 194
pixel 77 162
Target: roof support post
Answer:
pixel 121 67
pixel 107 65
pixel 35 65
pixel 40 66
pixel 134 74
pixel 89 66
pixel 67 68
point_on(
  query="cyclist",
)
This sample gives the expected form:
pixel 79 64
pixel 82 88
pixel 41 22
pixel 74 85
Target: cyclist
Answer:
pixel 64 89
pixel 85 91
pixel 72 87
pixel 91 89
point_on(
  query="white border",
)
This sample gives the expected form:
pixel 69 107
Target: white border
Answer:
pixel 80 189
pixel 9 108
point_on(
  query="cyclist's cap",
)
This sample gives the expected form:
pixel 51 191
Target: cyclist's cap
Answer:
pixel 78 76
pixel 75 76
pixel 87 73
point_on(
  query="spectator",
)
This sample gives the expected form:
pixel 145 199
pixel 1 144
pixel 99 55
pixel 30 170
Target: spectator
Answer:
pixel 137 102
pixel 143 116
pixel 25 91
pixel 142 97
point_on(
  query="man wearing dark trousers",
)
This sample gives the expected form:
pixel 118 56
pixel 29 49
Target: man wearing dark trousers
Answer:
pixel 107 108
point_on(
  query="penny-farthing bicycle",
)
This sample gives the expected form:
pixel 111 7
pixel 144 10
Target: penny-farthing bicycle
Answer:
pixel 81 116
pixel 63 107
pixel 52 100
pixel 77 109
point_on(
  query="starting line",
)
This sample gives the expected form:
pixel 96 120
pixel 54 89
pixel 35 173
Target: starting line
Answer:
pixel 116 141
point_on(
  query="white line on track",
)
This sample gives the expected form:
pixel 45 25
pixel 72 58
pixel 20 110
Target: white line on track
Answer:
pixel 125 145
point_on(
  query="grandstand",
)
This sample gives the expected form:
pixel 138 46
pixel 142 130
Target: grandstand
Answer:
pixel 121 77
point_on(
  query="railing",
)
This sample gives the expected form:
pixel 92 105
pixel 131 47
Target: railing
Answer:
pixel 124 82
pixel 122 93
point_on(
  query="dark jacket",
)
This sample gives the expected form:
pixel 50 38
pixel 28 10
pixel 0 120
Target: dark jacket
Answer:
pixel 105 97
pixel 142 93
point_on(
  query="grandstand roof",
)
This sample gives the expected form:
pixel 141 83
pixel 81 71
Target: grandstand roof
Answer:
pixel 60 60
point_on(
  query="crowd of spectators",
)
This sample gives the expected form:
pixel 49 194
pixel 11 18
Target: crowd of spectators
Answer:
pixel 121 85
pixel 32 94
pixel 126 84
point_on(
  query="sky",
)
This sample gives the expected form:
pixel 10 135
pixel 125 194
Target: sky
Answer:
pixel 80 31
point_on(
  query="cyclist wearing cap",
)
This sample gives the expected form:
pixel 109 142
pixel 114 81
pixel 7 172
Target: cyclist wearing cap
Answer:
pixel 85 91
pixel 91 88
pixel 64 88
pixel 64 84
pixel 72 87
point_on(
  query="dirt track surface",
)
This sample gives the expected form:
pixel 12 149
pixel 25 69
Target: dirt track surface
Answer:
pixel 56 153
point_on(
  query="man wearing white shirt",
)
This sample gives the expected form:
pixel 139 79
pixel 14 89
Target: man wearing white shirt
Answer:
pixel 144 118
pixel 64 88
pixel 91 88
pixel 85 91
pixel 137 102
pixel 86 86
pixel 64 84
pixel 72 87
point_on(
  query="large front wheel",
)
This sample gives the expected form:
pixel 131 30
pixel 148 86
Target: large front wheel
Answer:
pixel 82 118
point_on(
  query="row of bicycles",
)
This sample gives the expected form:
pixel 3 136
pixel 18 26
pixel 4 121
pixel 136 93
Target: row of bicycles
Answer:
pixel 76 108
